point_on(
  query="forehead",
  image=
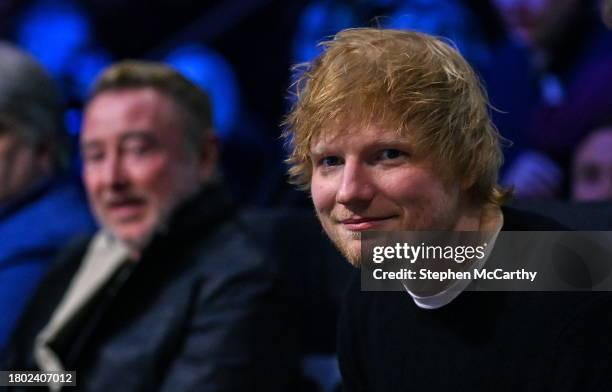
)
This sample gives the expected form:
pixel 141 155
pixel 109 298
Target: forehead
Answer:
pixel 354 135
pixel 143 109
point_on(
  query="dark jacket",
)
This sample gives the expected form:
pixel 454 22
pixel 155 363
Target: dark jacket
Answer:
pixel 481 341
pixel 200 311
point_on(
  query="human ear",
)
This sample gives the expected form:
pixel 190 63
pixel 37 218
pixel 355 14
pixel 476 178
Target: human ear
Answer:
pixel 208 156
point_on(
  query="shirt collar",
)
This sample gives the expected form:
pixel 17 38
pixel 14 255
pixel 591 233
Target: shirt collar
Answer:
pixel 491 220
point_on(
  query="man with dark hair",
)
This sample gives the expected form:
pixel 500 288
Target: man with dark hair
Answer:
pixel 41 207
pixel 391 132
pixel 172 294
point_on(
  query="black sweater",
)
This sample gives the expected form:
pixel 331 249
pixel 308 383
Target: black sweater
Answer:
pixel 482 341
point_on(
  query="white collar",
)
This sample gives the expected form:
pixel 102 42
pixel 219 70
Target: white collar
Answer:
pixel 493 222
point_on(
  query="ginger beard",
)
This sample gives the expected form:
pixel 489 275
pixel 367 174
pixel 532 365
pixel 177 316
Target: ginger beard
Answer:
pixel 440 214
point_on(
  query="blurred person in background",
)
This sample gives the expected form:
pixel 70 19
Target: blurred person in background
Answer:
pixel 41 206
pixel 592 161
pixel 453 20
pixel 549 79
pixel 606 12
pixel 592 167
pixel 172 294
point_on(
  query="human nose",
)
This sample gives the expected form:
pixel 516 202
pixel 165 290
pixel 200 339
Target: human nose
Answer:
pixel 357 186
pixel 114 172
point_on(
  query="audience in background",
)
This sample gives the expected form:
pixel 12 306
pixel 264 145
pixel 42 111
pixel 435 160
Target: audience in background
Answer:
pixel 549 72
pixel 452 19
pixel 550 81
pixel 60 34
pixel 592 161
pixel 213 74
pixel 240 133
pixel 53 31
pixel 41 206
pixel 319 20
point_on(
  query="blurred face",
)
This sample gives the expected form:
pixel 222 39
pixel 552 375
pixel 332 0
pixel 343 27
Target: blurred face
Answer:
pixel 593 168
pixel 606 12
pixel 535 22
pixel 137 167
pixel 20 165
pixel 373 179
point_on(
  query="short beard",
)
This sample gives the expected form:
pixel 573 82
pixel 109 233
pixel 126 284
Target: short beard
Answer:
pixel 352 255
pixel 444 221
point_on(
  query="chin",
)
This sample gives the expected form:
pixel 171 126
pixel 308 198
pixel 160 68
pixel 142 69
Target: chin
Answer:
pixel 134 237
pixel 353 256
pixel 349 245
pixel 130 240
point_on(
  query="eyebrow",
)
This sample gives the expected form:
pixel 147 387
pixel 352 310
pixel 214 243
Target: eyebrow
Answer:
pixel 321 148
pixel 129 135
pixel 89 144
pixel 318 150
pixel 137 135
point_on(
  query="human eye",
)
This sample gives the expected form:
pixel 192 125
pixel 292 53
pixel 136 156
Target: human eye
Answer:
pixel 138 146
pixel 330 161
pixel 92 155
pixel 391 154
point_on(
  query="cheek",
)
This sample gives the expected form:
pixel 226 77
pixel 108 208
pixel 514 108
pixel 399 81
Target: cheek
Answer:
pixel 154 174
pixel 323 194
pixel 91 182
pixel 23 165
pixel 414 187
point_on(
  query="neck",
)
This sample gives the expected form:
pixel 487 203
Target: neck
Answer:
pixel 134 255
pixel 469 217
pixel 479 217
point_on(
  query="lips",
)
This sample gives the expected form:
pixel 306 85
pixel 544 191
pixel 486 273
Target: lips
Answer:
pixel 125 209
pixel 362 224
